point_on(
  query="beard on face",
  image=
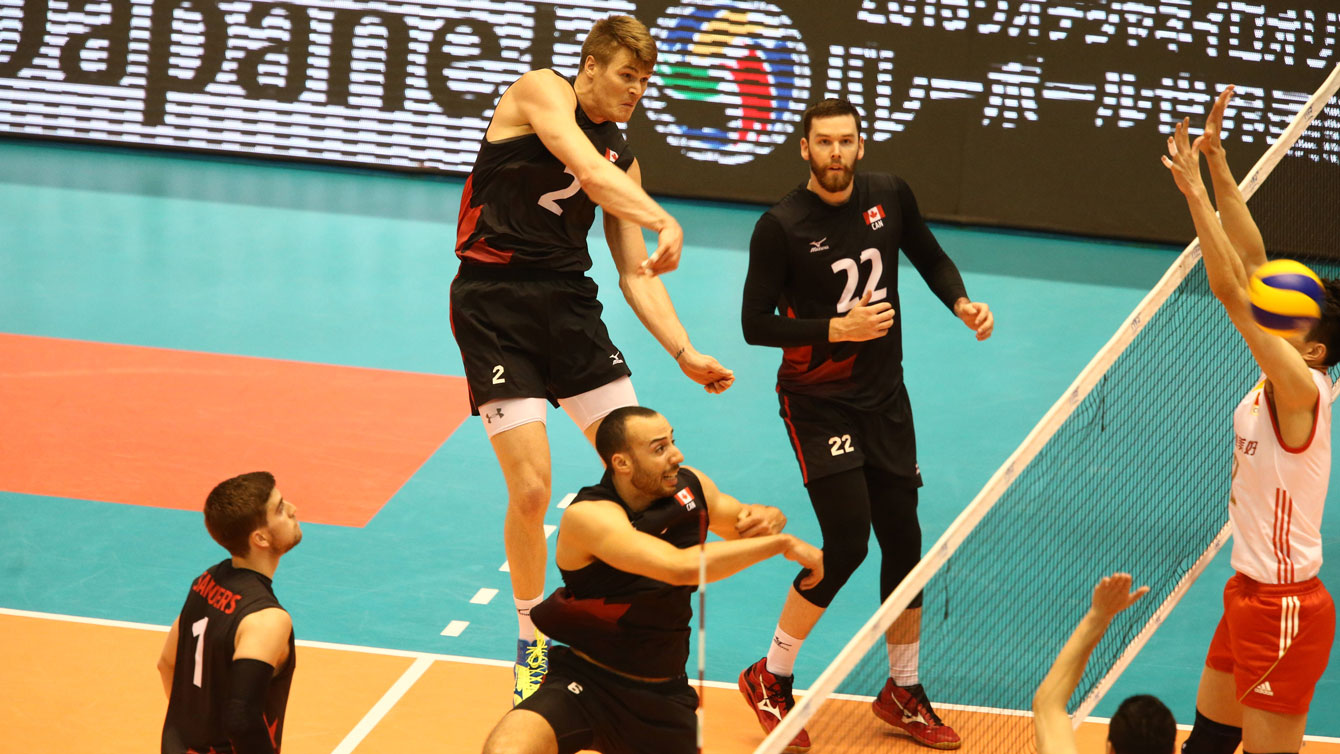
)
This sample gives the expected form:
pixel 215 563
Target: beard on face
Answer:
pixel 649 481
pixel 832 182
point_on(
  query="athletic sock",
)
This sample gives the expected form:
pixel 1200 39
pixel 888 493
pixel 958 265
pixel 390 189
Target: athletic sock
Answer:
pixel 1209 737
pixel 903 663
pixel 782 653
pixel 527 629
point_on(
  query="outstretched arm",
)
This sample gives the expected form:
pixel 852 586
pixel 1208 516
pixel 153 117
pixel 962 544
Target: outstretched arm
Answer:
pixel 1294 391
pixel 649 299
pixel 601 530
pixel 545 103
pixel 1050 721
pixel 1237 221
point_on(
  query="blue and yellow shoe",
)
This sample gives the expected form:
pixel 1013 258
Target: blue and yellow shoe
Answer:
pixel 532 662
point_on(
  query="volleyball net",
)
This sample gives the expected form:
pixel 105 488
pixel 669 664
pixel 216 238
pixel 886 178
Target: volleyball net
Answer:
pixel 1128 471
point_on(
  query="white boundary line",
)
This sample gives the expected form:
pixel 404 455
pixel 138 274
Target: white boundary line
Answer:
pixel 383 705
pixel 410 653
pixel 976 510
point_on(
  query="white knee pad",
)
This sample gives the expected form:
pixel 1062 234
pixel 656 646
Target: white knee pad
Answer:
pixel 510 413
pixel 593 405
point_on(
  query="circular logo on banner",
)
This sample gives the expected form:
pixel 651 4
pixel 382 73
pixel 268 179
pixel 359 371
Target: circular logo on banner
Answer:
pixel 733 79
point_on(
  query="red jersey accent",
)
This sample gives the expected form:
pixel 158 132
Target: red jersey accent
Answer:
pixel 465 227
pixel 795 439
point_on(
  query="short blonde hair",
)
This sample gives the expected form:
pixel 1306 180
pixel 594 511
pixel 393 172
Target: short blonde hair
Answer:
pixel 614 32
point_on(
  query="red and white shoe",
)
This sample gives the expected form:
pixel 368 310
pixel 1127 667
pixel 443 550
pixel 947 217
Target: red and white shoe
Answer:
pixel 907 709
pixel 770 697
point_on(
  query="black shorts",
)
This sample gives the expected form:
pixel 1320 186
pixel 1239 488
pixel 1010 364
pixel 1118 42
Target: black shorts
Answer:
pixel 530 334
pixel 829 437
pixel 591 708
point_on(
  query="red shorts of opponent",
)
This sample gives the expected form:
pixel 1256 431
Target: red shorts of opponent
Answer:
pixel 1275 639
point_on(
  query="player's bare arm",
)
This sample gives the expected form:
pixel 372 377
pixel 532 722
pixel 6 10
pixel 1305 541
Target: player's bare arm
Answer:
pixel 1050 721
pixel 167 659
pixel 1294 392
pixel 648 298
pixel 732 519
pixel 1233 214
pixel 542 103
pixel 263 636
pixel 600 530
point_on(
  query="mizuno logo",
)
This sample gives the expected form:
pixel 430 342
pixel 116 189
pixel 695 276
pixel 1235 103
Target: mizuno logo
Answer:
pixel 818 246
pixel 765 705
pixel 614 359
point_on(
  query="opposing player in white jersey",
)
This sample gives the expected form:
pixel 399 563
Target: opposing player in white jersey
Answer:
pixel 1275 636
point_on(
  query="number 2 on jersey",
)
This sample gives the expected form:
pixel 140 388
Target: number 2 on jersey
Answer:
pixel 848 299
pixel 550 200
pixel 198 631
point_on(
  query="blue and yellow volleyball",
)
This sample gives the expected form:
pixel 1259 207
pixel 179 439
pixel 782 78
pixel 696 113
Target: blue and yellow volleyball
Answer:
pixel 1287 297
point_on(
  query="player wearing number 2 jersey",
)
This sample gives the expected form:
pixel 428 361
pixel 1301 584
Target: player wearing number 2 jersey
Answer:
pixel 228 660
pixel 523 312
pixel 823 286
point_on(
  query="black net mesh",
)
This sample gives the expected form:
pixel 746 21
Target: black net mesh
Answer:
pixel 1136 480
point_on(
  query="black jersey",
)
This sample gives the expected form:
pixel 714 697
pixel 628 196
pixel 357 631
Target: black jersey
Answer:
pixel 218 601
pixel 628 622
pixel 810 261
pixel 522 207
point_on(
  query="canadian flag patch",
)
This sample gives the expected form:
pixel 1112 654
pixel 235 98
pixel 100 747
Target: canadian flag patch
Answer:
pixel 611 155
pixel 874 217
pixel 686 499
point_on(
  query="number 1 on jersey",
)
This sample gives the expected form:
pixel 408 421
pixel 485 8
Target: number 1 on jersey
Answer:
pixel 848 299
pixel 198 631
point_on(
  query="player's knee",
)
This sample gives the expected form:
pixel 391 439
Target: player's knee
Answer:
pixel 1209 737
pixel 841 559
pixel 528 497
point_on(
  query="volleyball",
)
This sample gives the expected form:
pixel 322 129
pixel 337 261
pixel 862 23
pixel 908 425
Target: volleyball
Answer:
pixel 1287 297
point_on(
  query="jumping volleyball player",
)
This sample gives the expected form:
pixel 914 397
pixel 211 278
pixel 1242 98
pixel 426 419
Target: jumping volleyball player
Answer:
pixel 826 257
pixel 1274 638
pixel 523 311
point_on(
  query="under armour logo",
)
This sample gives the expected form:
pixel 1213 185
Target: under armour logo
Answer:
pixel 817 246
pixel 490 415
pixel 614 359
pixel 575 687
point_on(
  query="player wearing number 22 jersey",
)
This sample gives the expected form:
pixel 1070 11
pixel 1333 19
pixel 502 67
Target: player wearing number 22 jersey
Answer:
pixel 823 286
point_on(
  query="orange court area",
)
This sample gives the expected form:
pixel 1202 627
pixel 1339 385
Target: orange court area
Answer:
pixel 158 427
pixel 72 686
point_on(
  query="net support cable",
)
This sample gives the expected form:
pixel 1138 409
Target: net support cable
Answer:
pixel 938 554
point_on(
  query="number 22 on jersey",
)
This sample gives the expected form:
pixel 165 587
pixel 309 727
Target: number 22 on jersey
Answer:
pixel 849 299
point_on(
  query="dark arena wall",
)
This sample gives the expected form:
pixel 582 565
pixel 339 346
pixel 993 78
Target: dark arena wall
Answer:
pixel 1043 115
